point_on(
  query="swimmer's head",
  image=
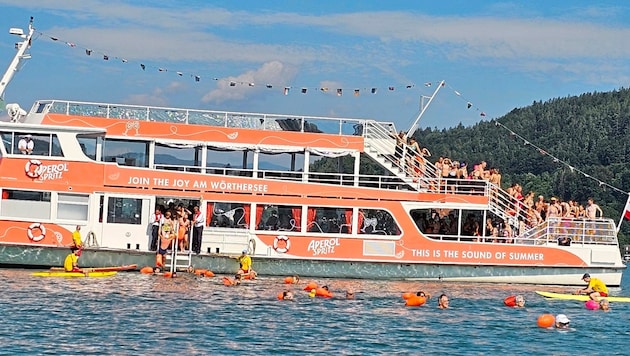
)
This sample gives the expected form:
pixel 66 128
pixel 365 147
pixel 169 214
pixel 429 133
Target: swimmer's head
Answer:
pixel 520 301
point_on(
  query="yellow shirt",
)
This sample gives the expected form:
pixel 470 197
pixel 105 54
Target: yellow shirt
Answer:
pixel 70 261
pixel 246 262
pixel 76 238
pixel 597 285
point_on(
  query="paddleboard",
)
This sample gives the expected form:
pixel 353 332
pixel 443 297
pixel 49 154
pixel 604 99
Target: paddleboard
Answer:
pixel 101 269
pixel 581 297
pixel 73 274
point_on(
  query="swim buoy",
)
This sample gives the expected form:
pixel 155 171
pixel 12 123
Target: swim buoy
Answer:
pixel 310 286
pixel 282 249
pixel 415 301
pixel 408 295
pixel 29 232
pixel 323 292
pixel 591 305
pixel 281 296
pixel 30 171
pixel 146 270
pixel 292 280
pixel 200 272
pixel 227 281
pixel 208 274
pixel 168 274
pixel 545 320
pixel 510 301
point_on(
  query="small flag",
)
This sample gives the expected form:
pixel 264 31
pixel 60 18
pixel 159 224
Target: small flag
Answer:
pixel 356 92
pixel 304 90
pixel 71 44
pixel 626 211
pixel 286 90
pixel 161 70
pixel 469 105
pixel 105 57
pixel 482 114
pixel 391 88
pixel 124 60
pixel 54 38
pixel 142 66
pixel 373 90
pixel 180 73
pixel 269 86
pixel 88 52
pixel 324 89
pixel 197 78
pixel 457 93
pixel 251 84
pixel 339 92
pixel 232 84
pixel 427 84
pixel 409 86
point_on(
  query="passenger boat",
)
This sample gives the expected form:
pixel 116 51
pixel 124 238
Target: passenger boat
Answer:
pixel 273 185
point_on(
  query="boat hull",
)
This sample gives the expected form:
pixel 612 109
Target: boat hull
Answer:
pixel 41 256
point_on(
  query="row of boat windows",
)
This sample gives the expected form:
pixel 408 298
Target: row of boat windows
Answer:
pixel 74 207
pixel 166 156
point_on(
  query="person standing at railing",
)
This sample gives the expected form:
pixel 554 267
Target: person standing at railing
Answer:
pixel 156 221
pixel 198 223
pixel 592 209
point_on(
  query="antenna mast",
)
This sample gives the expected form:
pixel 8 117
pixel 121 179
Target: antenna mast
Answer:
pixel 20 55
pixel 423 107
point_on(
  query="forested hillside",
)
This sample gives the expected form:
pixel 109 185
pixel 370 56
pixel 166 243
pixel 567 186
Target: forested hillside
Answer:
pixel 590 133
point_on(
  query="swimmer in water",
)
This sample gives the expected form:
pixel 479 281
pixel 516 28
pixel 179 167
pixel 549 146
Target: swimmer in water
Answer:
pixel 562 322
pixel 604 305
pixel 520 301
pixel 423 294
pixel 443 301
pixel 287 295
pixel 349 294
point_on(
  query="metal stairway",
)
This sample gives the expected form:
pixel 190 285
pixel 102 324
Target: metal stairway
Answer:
pixel 176 260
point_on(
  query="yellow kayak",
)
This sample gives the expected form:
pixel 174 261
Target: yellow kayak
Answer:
pixel 73 274
pixel 580 297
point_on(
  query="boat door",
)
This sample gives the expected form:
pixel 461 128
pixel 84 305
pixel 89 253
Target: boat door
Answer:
pixel 125 220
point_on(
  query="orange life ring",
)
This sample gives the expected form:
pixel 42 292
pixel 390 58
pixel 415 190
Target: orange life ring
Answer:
pixel 287 244
pixel 29 232
pixel 33 173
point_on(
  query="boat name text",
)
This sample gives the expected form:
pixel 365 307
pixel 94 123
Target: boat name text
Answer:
pixel 480 255
pixel 198 184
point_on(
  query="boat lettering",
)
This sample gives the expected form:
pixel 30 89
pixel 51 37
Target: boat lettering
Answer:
pixel 51 171
pixel 477 255
pixel 196 183
pixel 323 247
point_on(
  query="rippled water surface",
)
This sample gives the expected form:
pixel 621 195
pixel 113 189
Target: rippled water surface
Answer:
pixel 137 314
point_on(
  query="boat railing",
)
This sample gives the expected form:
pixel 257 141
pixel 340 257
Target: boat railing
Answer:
pixel 258 121
pixel 555 231
pixel 507 207
pixel 382 137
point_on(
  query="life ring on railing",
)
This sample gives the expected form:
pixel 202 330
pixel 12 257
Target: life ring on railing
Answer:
pixel 287 244
pixel 251 247
pixel 29 232
pixel 32 173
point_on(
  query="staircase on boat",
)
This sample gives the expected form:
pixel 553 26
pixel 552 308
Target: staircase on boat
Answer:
pixel 178 260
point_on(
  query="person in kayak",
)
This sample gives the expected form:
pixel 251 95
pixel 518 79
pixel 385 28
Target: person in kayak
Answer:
pixel 595 289
pixel 71 263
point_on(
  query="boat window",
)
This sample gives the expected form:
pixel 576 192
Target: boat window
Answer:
pixel 32 143
pixel 185 158
pixel 28 204
pixel 126 153
pixel 377 221
pixel 445 223
pixel 72 206
pixel 229 162
pixel 88 145
pixel 278 217
pixel 124 211
pixel 339 220
pixel 226 214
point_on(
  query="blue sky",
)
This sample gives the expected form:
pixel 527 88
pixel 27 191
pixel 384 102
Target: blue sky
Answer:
pixel 496 55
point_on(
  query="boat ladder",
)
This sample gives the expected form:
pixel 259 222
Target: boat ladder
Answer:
pixel 178 260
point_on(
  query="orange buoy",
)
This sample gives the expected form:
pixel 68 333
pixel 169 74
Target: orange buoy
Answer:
pixel 168 274
pixel 415 301
pixel 200 272
pixel 545 320
pixel 208 274
pixel 281 296
pixel 408 295
pixel 310 285
pixel 510 301
pixel 290 280
pixel 227 281
pixel 146 270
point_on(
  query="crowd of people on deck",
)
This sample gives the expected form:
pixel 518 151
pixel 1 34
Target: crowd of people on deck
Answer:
pixel 527 210
pixel 172 227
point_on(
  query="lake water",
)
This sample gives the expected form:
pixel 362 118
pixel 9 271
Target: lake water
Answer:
pixel 134 314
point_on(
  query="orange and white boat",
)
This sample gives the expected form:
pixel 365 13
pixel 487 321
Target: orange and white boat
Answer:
pixel 270 184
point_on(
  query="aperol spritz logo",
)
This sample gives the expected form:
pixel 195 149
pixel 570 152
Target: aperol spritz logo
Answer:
pixel 35 169
pixel 323 247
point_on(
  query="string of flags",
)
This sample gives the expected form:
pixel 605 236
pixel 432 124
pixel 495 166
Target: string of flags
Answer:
pixel 339 92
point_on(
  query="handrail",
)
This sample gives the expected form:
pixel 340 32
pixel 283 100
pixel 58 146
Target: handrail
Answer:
pixel 258 121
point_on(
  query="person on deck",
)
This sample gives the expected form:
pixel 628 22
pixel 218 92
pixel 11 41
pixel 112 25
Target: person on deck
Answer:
pixel 156 221
pixel 198 222
pixel 596 288
pixel 26 144
pixel 593 209
pixel 76 240
pixel 245 262
pixel 71 263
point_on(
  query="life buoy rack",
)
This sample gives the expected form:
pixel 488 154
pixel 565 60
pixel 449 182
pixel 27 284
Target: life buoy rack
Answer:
pixel 29 232
pixel 32 173
pixel 287 244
